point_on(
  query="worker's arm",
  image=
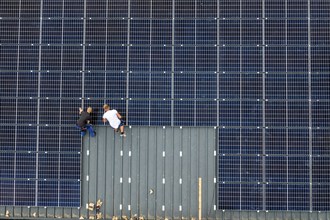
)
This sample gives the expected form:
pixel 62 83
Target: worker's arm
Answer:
pixel 118 115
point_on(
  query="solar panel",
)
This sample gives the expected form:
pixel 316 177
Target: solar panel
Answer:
pixel 258 70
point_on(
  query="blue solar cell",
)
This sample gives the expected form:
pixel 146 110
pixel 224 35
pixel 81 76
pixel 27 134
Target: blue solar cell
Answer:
pixel 298 169
pixel 73 31
pixel 320 58
pixel 298 197
pixel 25 192
pixel 73 9
pixel 73 59
pixel 251 32
pixel 7 166
pixel 48 193
pixel 25 165
pixel 206 59
pixel 185 85
pixel 48 164
pixel 117 32
pixel 52 9
pixel 229 113
pixel 160 112
pixel 228 59
pixel 251 141
pixel 251 197
pixel 206 113
pixel 97 9
pixel 48 141
pixel 52 31
pixel 160 85
pixel 139 59
pixel 96 58
pixel 230 141
pixel 320 169
pixel 118 9
pixel 251 113
pixel 160 59
pixel 69 193
pixel 276 197
pixel 139 85
pixel 185 113
pixel 320 142
pixel 276 169
pixel 7 135
pixel 229 196
pixel 69 166
pixel 276 86
pixel 275 59
pixel 276 141
pixel 321 197
pixel 116 59
pixel 184 32
pixel 251 9
pixel 297 10
pixel 229 86
pixel 252 61
pixel 96 32
pixel 275 9
pixel 9 30
pixel 9 9
pixel 26 139
pixel 276 114
pixel 7 192
pixel 230 32
pixel 115 83
pixel 184 59
pixel 138 112
pixel 27 111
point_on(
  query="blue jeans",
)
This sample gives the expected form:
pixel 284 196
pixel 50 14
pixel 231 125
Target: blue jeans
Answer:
pixel 83 130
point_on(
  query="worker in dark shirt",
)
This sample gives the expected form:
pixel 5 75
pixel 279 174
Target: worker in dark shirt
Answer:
pixel 84 122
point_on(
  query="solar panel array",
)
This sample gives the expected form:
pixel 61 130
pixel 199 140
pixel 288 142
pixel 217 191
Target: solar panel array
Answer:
pixel 258 70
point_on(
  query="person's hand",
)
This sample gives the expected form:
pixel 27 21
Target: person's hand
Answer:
pixel 80 110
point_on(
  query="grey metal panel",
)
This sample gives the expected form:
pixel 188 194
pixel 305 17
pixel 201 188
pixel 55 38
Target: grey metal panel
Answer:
pixel 100 148
pixel 186 160
pixel 202 168
pixel 67 212
pixel 17 211
pixel 117 175
pixel 93 172
pixel 169 170
pixel 177 172
pixel 42 213
pixel 108 141
pixel 160 188
pixel 135 172
pixel 84 182
pixel 194 172
pixel 143 178
pixel 50 212
pixel 26 212
pixel 58 213
pixel 211 172
pixel 152 172
pixel 126 175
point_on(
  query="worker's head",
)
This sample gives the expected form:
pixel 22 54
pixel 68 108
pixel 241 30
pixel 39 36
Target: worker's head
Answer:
pixel 106 107
pixel 89 109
